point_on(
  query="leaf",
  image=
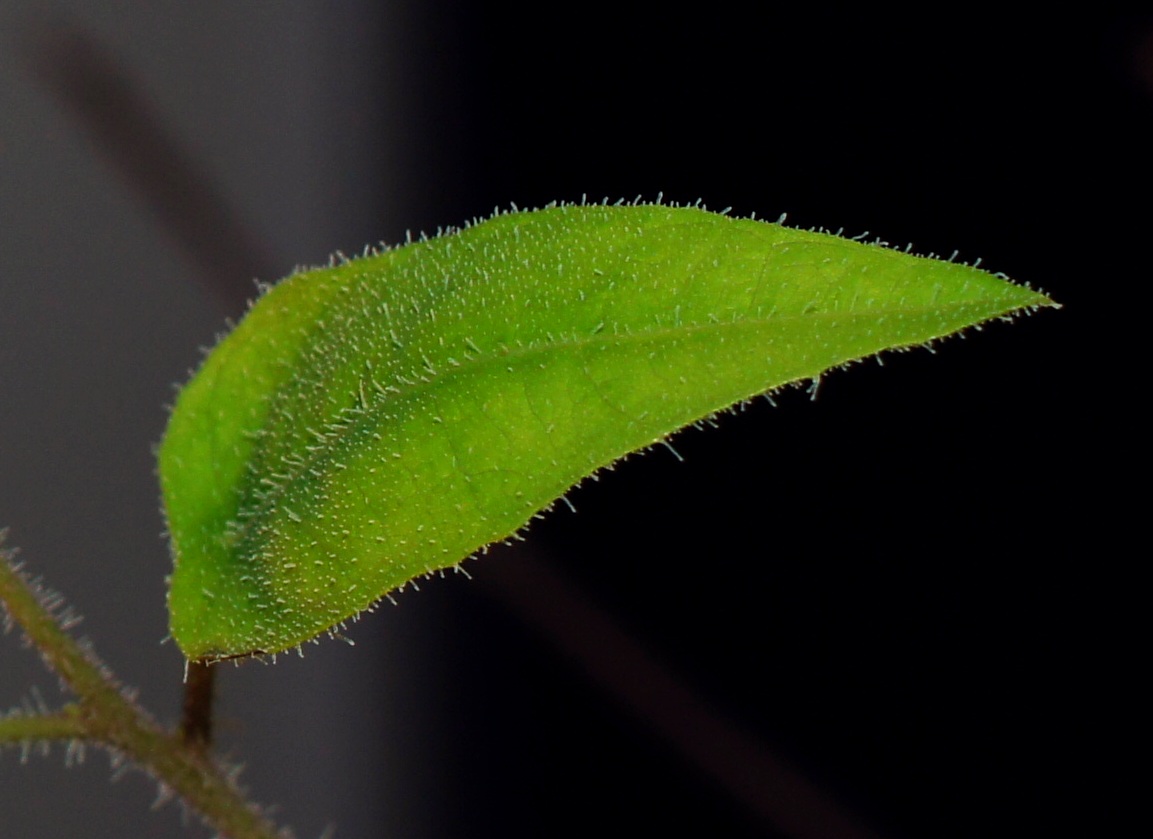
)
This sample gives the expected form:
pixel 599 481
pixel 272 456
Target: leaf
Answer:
pixel 376 420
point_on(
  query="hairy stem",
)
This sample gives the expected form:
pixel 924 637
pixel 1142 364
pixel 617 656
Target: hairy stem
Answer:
pixel 65 724
pixel 107 716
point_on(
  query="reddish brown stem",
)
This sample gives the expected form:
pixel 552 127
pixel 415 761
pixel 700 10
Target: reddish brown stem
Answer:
pixel 196 723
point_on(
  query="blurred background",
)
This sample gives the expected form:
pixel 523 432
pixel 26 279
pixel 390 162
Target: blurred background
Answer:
pixel 904 608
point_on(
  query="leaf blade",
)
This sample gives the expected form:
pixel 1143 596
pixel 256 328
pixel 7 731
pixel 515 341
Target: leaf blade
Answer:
pixel 374 421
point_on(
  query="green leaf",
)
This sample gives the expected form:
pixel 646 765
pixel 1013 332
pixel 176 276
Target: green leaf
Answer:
pixel 376 420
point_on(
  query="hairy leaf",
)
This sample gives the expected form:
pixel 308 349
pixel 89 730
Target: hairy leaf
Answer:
pixel 379 419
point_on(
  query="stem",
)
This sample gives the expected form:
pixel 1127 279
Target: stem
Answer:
pixel 31 608
pixel 65 724
pixel 107 716
pixel 196 726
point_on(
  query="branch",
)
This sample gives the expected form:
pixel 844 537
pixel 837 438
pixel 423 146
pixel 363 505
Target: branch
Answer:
pixel 21 727
pixel 107 715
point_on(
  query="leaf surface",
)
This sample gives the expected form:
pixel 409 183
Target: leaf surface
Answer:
pixel 374 421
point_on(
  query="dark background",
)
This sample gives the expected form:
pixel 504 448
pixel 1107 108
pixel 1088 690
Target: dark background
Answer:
pixel 917 590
